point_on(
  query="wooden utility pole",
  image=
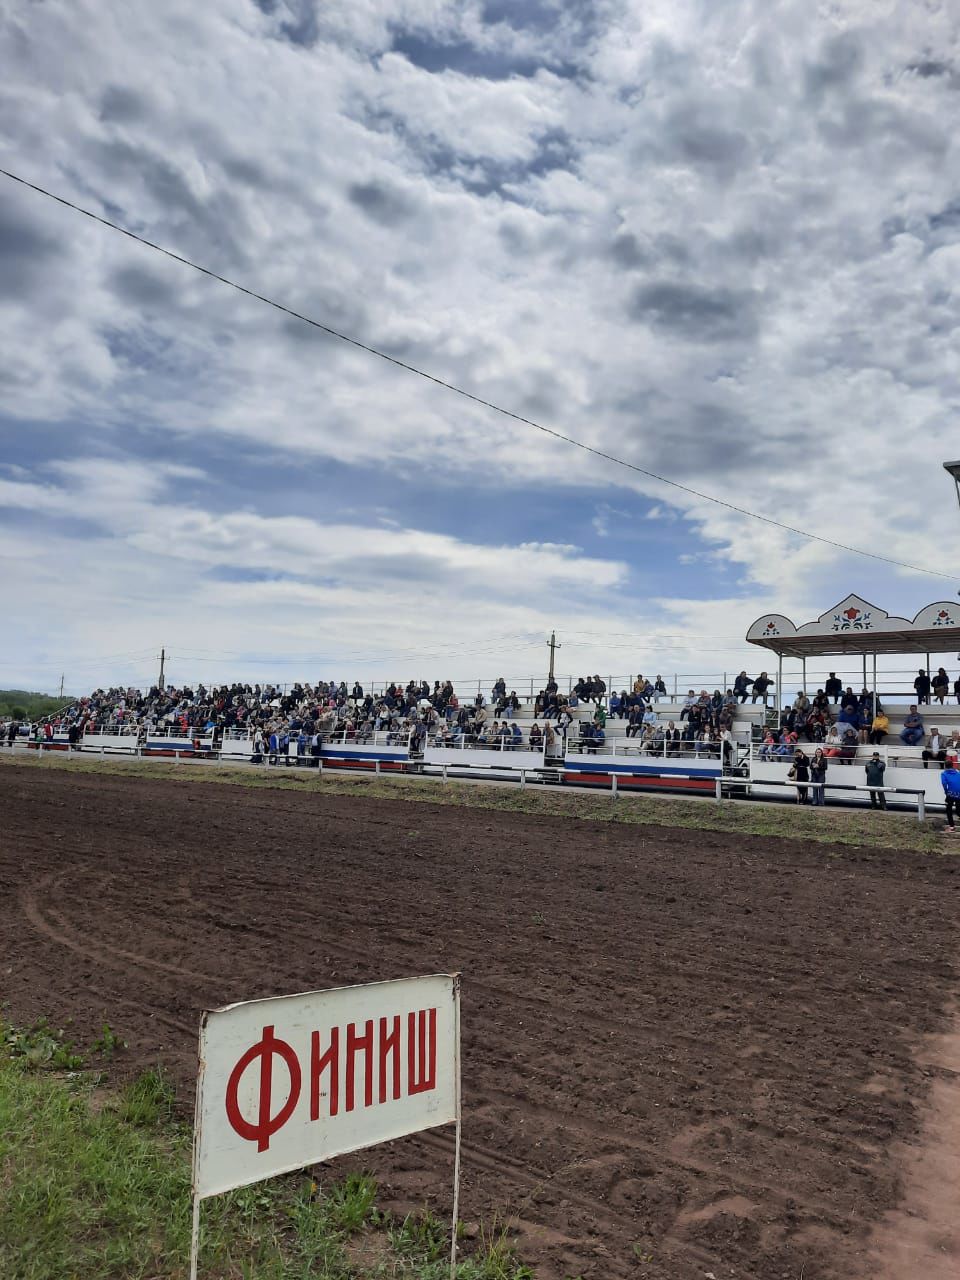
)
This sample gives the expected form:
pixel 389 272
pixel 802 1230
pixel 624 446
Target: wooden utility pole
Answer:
pixel 552 642
pixel 163 655
pixel 62 678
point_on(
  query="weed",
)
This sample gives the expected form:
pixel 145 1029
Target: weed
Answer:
pixel 351 1203
pixel 108 1042
pixel 421 1236
pixel 40 1046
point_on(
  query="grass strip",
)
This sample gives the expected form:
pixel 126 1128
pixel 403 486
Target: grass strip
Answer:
pixel 95 1185
pixel 833 825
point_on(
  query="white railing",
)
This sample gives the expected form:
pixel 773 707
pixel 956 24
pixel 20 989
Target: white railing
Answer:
pixel 361 738
pixel 684 750
pixel 468 742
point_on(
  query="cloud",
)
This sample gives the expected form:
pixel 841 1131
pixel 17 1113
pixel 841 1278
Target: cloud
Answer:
pixel 717 240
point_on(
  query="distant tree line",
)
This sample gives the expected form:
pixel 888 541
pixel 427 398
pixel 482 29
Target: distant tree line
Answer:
pixel 21 705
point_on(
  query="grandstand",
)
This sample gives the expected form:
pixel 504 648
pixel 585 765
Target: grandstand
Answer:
pixel 690 734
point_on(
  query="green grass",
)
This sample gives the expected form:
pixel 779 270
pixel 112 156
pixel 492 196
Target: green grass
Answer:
pixel 96 1186
pixel 831 825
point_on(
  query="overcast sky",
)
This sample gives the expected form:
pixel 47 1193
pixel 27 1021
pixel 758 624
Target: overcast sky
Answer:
pixel 719 239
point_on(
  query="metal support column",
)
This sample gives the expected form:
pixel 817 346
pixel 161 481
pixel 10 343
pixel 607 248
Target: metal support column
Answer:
pixel 779 691
pixel 876 704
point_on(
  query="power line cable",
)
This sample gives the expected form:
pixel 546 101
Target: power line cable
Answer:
pixel 460 391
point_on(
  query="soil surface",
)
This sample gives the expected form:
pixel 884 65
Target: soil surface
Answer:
pixel 684 1053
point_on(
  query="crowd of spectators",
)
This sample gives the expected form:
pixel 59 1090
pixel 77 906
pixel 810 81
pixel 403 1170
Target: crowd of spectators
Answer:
pixel 297 720
pixel 283 723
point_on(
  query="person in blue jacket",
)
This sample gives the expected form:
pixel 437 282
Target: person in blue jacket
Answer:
pixel 950 781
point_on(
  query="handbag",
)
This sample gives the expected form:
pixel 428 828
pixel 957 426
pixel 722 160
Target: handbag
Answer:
pixel 792 772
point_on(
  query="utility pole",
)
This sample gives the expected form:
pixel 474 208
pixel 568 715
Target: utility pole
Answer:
pixel 552 642
pixel 163 655
pixel 62 678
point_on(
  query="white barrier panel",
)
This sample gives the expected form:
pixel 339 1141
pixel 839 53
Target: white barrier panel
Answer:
pixel 483 758
pixel 128 742
pixel 290 1081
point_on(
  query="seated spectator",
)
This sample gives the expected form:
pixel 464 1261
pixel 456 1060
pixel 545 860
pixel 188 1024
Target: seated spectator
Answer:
pixel 549 739
pixel 922 686
pixel 650 718
pixel 832 742
pixel 879 727
pixel 536 737
pixel 660 689
pixel 517 734
pixel 760 687
pixel 635 721
pixel 672 739
pixel 599 737
pixel 688 702
pixel 848 713
pixel 801 702
pixel 936 749
pixel 956 689
pixel 849 741
pixel 912 732
pixel 941 685
pixel 820 700
pixel 741 686
pixel 833 687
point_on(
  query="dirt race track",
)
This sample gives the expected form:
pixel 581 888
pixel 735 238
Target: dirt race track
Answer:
pixel 684 1053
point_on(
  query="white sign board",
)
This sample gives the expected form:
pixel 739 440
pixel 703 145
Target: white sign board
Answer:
pixel 290 1081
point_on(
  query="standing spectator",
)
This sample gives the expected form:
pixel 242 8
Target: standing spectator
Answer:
pixel 818 776
pixel 801 772
pixel 741 686
pixel 922 686
pixel 935 749
pixel 833 687
pixel 950 781
pixel 941 685
pixel 912 731
pixel 956 689
pixel 760 687
pixel 875 771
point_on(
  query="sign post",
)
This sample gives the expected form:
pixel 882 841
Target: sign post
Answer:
pixel 292 1080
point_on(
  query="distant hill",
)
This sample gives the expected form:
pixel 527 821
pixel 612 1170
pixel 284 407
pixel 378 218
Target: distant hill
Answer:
pixel 30 706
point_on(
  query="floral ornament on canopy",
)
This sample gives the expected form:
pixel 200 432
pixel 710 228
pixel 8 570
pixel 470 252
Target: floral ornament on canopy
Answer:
pixel 853 619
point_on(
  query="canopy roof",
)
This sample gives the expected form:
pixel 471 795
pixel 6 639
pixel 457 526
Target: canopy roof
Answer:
pixel 855 626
